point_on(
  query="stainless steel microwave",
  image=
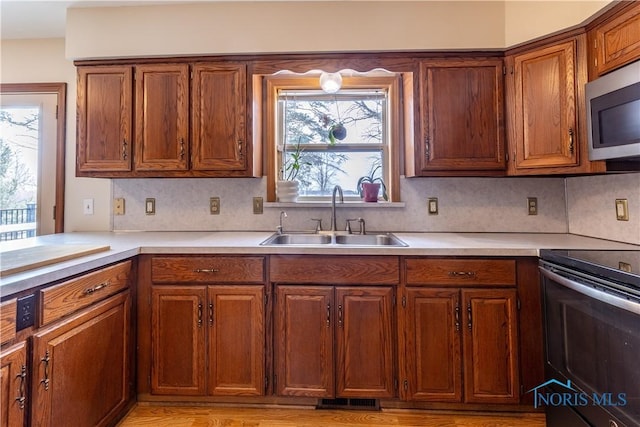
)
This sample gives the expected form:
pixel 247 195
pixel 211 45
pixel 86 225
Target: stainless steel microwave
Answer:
pixel 613 114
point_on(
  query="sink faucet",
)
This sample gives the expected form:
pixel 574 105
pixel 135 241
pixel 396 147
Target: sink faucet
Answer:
pixel 336 189
pixel 283 215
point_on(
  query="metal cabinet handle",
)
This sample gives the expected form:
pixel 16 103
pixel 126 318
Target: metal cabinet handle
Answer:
pixel 340 315
pixel 45 380
pixel 90 291
pixel 206 270
pixel 210 313
pixel 457 316
pixel 124 149
pixel 469 316
pixel 200 315
pixel 427 149
pixel 181 148
pixel 463 274
pixel 22 375
pixel 328 315
pixel 240 149
pixel 571 140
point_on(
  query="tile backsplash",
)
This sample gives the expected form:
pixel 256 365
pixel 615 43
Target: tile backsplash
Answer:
pixel 465 205
pixel 591 206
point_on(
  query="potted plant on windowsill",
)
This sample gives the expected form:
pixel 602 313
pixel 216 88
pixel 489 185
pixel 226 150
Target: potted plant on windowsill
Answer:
pixel 369 186
pixel 287 186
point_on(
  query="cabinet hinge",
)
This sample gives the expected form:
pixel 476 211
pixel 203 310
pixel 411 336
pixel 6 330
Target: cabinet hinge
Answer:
pixel 266 384
pixel 54 212
pixel 518 303
pixel 506 156
pixel 521 389
pixel 56 112
pixel 504 70
pixel 266 299
pixel 395 384
pixel 404 301
pixel 405 385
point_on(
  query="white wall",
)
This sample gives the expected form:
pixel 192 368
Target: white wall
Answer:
pixel 43 60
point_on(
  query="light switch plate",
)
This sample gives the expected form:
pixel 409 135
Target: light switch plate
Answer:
pixel 622 210
pixel 150 206
pixel 432 205
pixel 257 205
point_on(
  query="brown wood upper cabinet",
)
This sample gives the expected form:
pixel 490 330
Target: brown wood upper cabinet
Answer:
pixel 190 120
pixel 545 100
pixel 615 41
pixel 162 117
pixel 218 117
pixel 461 116
pixel 104 119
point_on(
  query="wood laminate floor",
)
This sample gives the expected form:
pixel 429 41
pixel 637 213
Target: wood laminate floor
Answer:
pixel 203 416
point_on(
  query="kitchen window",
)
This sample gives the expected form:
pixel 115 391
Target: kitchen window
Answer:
pixel 337 137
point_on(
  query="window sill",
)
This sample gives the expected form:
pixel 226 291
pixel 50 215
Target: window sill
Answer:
pixel 327 204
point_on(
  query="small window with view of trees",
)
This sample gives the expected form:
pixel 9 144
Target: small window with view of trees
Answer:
pixel 324 139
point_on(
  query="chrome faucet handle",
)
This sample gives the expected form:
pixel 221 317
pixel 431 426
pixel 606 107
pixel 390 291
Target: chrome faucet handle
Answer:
pixel 362 226
pixel 318 224
pixel 279 228
pixel 348 226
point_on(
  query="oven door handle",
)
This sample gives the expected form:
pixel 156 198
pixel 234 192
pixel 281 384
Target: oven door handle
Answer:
pixel 605 297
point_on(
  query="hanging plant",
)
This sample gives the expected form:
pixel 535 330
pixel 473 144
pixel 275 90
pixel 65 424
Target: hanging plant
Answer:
pixel 337 131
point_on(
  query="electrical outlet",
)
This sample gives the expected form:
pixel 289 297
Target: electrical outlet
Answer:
pixel 87 206
pixel 532 205
pixel 214 205
pixel 257 205
pixel 118 206
pixel 622 210
pixel 150 206
pixel 26 312
pixel 432 206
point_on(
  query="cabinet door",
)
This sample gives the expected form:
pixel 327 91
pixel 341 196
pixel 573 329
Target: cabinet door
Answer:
pixel 364 342
pixel 545 126
pixel 178 337
pixel 81 366
pixel 462 115
pixel 218 108
pixel 617 41
pixel 303 343
pixel 104 118
pixel 237 340
pixel 162 117
pixel 433 365
pixel 490 343
pixel 13 386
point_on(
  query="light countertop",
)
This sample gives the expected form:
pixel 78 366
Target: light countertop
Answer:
pixel 124 245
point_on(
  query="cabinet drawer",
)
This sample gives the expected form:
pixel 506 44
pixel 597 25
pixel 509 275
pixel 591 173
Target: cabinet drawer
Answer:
pixel 8 320
pixel 335 270
pixel 460 272
pixel 218 269
pixel 70 296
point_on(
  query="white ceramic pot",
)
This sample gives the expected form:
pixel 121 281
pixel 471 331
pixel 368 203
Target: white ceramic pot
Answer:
pixel 287 191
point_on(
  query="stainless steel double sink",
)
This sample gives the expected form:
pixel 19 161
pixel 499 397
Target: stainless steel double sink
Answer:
pixel 305 239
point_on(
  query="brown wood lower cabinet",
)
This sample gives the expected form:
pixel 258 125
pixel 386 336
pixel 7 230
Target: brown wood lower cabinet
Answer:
pixel 208 340
pixel 334 341
pixel 81 366
pixel 461 343
pixel 13 385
